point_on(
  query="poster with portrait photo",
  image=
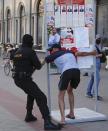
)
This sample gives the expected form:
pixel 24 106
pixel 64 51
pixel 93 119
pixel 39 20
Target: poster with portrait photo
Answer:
pixel 50 20
pixel 57 16
pixel 75 15
pixel 81 2
pixel 81 18
pixel 89 15
pixel 67 38
pixel 63 15
pixel 69 16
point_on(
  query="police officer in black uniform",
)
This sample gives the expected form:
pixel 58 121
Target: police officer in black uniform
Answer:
pixel 25 62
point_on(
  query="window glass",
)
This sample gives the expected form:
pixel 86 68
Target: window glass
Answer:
pixel 8 25
pixel 0 31
pixel 22 23
pixel 40 24
pixel 32 26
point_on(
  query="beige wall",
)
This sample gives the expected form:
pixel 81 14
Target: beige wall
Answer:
pixel 0 10
pixel 102 20
pixel 14 6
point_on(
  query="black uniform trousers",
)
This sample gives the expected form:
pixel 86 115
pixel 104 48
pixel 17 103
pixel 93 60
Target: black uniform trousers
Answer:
pixel 33 92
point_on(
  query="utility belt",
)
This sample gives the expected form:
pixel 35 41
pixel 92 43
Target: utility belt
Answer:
pixel 21 75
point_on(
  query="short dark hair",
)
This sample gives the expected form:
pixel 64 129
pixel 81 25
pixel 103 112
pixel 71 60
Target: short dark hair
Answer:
pixel 55 46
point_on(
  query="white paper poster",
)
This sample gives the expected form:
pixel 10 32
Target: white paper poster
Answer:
pixel 75 15
pixel 57 16
pixel 89 15
pixel 63 15
pixel 69 16
pixel 86 61
pixel 67 38
pixel 81 18
pixel 82 37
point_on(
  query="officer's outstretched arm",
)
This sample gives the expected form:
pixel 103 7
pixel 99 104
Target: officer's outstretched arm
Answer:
pixel 35 61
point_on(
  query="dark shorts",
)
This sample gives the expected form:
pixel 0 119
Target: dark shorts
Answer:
pixel 72 76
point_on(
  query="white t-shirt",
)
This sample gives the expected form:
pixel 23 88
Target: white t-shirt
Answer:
pixel 65 62
pixel 53 39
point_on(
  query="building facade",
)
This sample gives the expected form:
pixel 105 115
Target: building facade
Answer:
pixel 18 17
pixel 102 20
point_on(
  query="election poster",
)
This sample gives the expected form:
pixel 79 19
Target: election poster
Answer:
pixel 89 15
pixel 67 38
pixel 71 13
pixel 81 15
pixel 63 15
pixel 81 2
pixel 69 16
pixel 72 18
pixel 75 15
pixel 57 13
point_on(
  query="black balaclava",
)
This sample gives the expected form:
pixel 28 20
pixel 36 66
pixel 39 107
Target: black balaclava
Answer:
pixel 27 41
pixel 98 41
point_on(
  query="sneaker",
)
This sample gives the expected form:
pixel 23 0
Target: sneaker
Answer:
pixel 99 98
pixel 89 95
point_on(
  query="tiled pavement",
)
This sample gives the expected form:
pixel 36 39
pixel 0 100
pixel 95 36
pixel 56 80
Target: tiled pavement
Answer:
pixel 12 105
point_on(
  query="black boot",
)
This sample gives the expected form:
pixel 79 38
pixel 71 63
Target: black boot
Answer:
pixel 48 125
pixel 30 117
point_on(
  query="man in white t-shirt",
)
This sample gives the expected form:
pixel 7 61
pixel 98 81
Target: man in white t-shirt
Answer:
pixel 53 38
pixel 66 63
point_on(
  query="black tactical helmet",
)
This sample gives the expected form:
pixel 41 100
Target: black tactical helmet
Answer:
pixel 27 40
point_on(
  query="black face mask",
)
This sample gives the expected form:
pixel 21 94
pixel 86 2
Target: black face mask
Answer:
pixel 31 45
pixel 98 41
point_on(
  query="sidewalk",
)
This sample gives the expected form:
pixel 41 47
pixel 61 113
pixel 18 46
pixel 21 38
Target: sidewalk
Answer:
pixel 12 113
pixel 13 103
